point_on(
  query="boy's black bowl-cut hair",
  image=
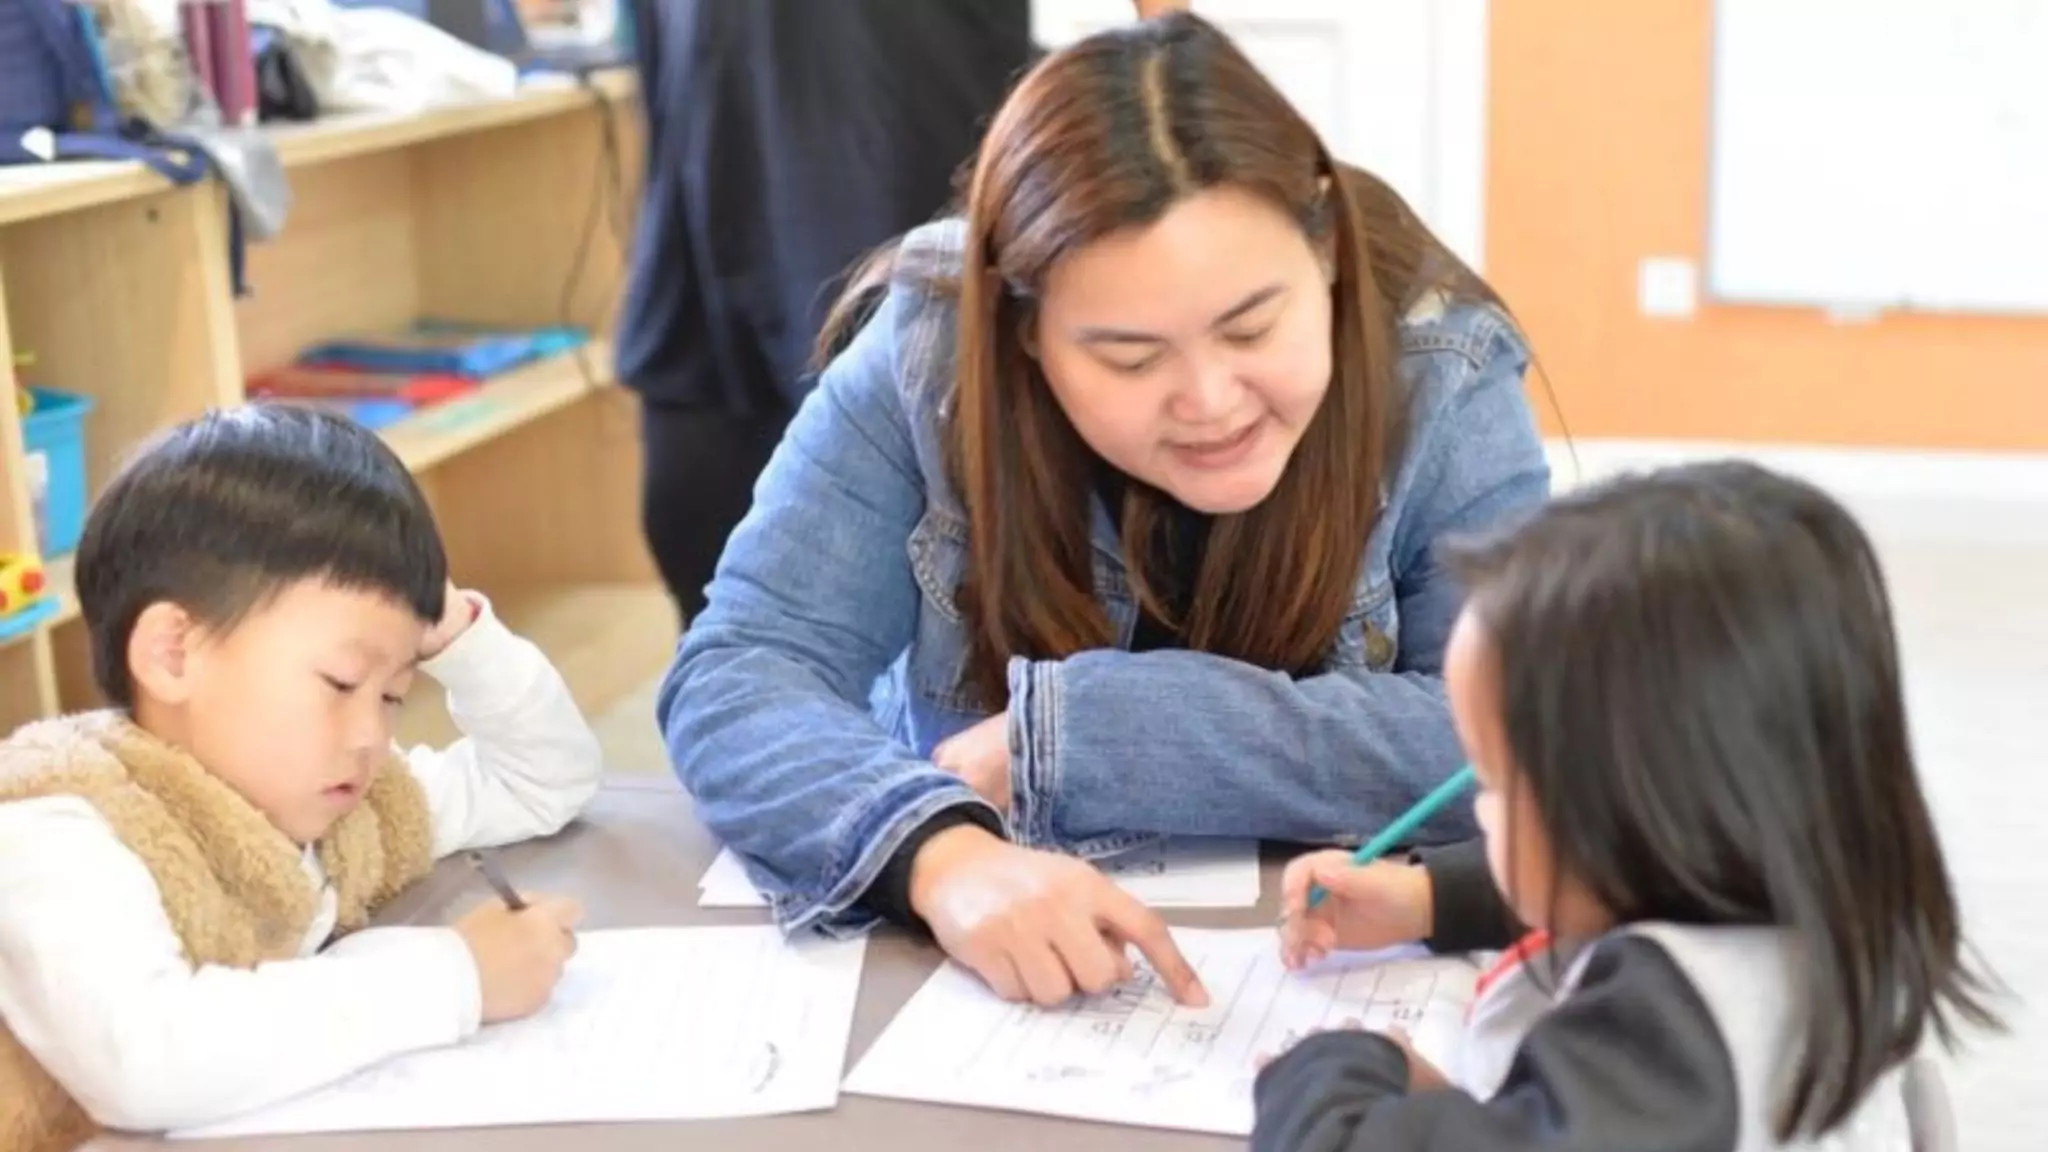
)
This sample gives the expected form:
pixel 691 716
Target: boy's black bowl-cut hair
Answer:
pixel 221 513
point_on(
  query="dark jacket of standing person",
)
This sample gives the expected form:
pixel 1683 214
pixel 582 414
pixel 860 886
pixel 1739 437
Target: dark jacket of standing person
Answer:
pixel 785 139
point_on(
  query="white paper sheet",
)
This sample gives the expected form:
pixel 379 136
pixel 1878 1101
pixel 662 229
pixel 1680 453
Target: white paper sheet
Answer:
pixel 1170 874
pixel 647 1024
pixel 1132 1056
pixel 726 885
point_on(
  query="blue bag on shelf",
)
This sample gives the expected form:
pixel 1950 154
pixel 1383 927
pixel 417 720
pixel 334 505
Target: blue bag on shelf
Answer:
pixel 56 102
pixel 442 348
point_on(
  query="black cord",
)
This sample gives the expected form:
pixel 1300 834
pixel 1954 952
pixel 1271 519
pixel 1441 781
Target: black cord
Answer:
pixel 606 204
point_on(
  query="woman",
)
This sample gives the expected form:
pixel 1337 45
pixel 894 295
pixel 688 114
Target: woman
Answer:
pixel 1114 520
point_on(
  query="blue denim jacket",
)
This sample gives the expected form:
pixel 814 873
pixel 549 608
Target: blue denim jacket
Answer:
pixel 804 700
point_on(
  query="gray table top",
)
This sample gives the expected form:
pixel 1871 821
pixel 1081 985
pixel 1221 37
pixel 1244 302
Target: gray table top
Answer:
pixel 634 860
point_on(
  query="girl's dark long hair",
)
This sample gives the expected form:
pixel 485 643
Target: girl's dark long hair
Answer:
pixel 1106 134
pixel 1701 689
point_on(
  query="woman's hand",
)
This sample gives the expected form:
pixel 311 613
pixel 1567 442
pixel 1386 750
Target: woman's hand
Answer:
pixel 1377 906
pixel 1039 926
pixel 981 756
pixel 1147 9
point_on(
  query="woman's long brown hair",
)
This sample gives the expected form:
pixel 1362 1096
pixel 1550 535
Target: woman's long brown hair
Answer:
pixel 1109 134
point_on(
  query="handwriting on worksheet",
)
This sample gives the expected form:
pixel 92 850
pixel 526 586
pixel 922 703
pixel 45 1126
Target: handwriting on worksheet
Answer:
pixel 652 1023
pixel 1134 1056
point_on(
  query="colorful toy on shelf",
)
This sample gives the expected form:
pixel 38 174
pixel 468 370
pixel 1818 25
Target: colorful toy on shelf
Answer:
pixel 24 594
pixel 24 399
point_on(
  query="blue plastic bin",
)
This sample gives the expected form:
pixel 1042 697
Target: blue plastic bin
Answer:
pixel 56 428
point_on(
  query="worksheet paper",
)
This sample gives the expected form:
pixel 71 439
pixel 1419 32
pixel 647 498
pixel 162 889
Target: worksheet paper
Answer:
pixel 1133 1056
pixel 647 1024
pixel 1201 873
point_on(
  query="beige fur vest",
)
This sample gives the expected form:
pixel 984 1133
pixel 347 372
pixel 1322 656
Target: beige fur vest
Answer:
pixel 233 886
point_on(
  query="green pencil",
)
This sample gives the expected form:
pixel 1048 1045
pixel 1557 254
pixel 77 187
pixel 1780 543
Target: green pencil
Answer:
pixel 1400 829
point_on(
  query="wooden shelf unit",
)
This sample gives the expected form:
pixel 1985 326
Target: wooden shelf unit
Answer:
pixel 500 212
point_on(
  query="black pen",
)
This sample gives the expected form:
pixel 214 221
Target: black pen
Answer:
pixel 496 879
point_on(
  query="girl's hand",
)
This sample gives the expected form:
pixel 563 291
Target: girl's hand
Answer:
pixel 1264 1058
pixel 459 610
pixel 1380 905
pixel 1422 1075
pixel 1039 926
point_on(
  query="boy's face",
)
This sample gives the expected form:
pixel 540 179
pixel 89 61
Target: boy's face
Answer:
pixel 292 706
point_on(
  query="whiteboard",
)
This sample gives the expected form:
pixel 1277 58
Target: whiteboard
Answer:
pixel 1880 154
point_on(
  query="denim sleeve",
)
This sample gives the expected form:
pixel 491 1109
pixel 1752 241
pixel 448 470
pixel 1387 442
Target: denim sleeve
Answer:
pixel 1188 743
pixel 765 709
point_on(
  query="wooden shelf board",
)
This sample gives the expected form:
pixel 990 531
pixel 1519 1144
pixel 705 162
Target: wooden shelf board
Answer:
pixel 517 398
pixel 31 191
pixel 353 134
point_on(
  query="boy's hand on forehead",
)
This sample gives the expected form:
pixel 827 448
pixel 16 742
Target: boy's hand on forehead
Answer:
pixel 457 615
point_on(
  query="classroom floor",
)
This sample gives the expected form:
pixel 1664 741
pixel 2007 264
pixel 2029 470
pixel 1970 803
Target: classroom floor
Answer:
pixel 1967 583
pixel 1967 580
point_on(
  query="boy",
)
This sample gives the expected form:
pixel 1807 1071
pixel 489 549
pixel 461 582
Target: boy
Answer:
pixel 260 587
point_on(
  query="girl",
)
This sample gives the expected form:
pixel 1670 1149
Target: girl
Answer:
pixel 1680 695
pixel 1114 520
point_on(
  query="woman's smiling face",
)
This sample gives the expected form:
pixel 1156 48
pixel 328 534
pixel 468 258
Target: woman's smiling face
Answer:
pixel 1192 353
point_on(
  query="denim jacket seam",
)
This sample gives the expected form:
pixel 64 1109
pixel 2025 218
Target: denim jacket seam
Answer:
pixel 1034 763
pixel 916 340
pixel 1112 844
pixel 1370 595
pixel 925 568
pixel 1434 440
pixel 1112 582
pixel 1469 336
pixel 1049 698
pixel 1049 734
pixel 1025 800
pixel 906 471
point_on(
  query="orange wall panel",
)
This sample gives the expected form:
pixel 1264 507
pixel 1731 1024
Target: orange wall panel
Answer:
pixel 1597 157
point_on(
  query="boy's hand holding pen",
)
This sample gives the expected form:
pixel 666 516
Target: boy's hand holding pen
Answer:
pixel 520 945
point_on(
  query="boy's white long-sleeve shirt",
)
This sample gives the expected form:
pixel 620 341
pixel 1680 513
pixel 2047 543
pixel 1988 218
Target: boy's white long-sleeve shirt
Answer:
pixel 94 983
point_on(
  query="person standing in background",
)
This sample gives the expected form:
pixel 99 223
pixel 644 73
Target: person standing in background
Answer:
pixel 785 139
